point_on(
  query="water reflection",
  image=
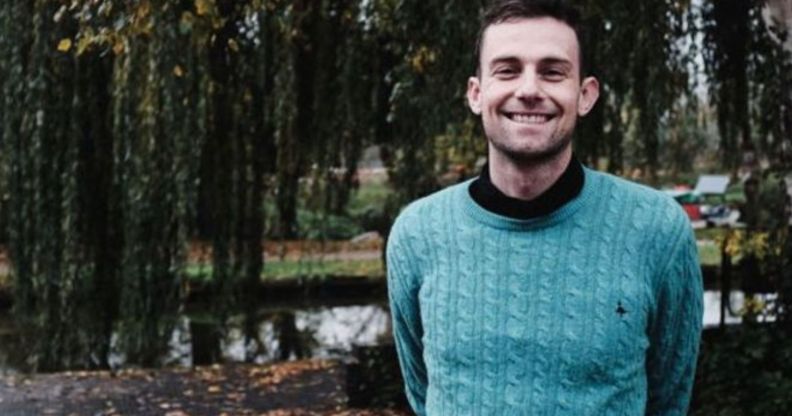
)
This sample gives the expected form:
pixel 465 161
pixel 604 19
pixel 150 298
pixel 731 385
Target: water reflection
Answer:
pixel 325 333
pixel 736 301
pixel 269 335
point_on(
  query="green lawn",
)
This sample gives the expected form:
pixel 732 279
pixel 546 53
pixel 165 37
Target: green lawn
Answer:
pixel 709 254
pixel 276 269
pixel 348 268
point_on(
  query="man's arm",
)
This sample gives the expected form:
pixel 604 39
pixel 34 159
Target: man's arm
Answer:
pixel 403 287
pixel 675 331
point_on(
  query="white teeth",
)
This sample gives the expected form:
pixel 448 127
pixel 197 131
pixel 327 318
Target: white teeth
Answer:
pixel 529 118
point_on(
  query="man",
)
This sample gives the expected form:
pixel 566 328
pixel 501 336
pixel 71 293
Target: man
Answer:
pixel 542 287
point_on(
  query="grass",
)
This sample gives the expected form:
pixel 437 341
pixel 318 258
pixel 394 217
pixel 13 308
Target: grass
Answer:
pixel 372 195
pixel 347 268
pixel 709 251
pixel 290 269
pixel 709 254
pixel 710 234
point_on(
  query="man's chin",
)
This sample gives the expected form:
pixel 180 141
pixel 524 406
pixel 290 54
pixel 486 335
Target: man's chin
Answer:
pixel 532 156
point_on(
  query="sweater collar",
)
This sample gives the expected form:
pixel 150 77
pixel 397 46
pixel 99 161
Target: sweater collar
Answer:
pixel 565 189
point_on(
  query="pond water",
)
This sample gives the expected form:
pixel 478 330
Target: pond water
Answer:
pixel 273 334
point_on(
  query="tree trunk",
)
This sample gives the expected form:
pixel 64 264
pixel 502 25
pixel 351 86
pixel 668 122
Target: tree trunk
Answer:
pixel 778 15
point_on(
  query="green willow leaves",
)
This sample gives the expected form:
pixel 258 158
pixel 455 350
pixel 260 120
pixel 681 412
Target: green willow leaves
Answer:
pixel 131 129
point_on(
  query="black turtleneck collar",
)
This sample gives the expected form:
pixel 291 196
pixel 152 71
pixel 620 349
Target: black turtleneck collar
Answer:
pixel 566 188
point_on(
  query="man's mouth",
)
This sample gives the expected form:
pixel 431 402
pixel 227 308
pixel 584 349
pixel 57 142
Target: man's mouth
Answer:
pixel 529 118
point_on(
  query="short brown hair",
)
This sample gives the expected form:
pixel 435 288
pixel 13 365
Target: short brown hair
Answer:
pixel 500 11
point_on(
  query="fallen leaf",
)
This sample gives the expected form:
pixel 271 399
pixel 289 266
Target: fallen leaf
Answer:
pixel 213 389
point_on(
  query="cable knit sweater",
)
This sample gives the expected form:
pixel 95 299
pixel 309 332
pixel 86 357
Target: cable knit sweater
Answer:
pixel 594 309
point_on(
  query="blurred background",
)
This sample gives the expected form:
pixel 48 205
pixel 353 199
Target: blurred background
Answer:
pixel 196 182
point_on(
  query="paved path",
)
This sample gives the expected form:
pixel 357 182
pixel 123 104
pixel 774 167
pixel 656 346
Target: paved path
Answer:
pixel 309 387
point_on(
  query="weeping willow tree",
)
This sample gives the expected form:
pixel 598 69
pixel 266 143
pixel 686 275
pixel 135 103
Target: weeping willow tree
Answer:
pixel 749 63
pixel 43 98
pixel 639 85
pixel 101 133
pixel 749 82
pixel 235 152
pixel 332 100
pixel 342 101
pixel 157 124
pixel 130 129
pixel 775 115
pixel 123 123
pixel 730 37
pixel 429 46
pixel 778 125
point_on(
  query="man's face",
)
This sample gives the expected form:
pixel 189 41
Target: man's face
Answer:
pixel 529 93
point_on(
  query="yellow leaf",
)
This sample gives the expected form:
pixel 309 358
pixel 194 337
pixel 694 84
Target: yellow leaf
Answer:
pixel 178 71
pixel 65 45
pixel 202 7
pixel 233 45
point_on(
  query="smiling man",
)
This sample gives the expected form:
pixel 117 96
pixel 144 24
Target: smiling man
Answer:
pixel 541 286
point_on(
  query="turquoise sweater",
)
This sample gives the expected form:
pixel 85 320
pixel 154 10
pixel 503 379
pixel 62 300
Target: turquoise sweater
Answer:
pixel 595 309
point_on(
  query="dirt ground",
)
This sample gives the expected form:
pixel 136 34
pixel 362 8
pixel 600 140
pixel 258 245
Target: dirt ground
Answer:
pixel 300 388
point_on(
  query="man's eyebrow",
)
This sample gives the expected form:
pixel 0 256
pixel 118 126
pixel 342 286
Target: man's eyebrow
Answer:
pixel 503 59
pixel 550 60
pixel 556 61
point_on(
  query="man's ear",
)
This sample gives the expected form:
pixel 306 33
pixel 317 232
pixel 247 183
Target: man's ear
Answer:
pixel 589 93
pixel 474 95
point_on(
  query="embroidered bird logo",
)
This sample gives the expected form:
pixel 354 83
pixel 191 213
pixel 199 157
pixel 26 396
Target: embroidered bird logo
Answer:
pixel 620 309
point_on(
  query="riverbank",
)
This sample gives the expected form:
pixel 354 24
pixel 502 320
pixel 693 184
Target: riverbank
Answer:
pixel 745 369
pixel 294 270
pixel 306 289
pixel 298 388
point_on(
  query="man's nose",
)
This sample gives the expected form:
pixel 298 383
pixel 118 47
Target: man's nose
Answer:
pixel 529 87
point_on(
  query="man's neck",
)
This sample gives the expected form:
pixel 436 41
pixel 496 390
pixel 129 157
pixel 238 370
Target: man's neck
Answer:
pixel 526 181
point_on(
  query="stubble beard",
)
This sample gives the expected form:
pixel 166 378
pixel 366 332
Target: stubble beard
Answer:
pixel 529 156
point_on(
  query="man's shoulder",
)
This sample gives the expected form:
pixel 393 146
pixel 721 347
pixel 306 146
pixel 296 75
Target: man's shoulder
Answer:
pixel 422 209
pixel 645 202
pixel 640 193
pixel 412 227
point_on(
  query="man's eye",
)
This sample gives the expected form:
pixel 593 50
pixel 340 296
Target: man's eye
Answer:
pixel 554 74
pixel 505 71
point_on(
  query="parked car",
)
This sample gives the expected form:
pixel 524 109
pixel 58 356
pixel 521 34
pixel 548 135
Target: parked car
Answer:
pixel 706 204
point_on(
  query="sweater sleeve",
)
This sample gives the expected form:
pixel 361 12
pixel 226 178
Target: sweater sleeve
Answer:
pixel 675 330
pixel 403 287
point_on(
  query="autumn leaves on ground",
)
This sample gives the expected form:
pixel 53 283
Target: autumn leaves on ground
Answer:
pixel 300 388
